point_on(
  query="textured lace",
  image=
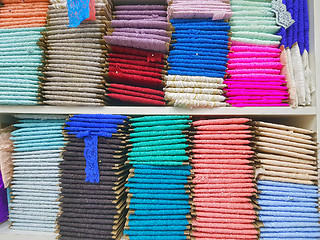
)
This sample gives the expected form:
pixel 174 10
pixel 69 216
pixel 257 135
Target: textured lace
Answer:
pixel 283 17
pixel 91 154
pixel 78 11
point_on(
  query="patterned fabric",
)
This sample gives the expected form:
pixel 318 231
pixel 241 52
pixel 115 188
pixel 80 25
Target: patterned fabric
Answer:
pixel 78 11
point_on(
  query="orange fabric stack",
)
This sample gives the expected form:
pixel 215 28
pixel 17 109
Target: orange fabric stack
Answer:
pixel 23 13
pixel 21 26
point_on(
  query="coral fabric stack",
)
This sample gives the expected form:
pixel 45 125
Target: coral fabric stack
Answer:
pixel 223 180
pixel 159 205
pixel 138 39
pixel 287 182
pixel 75 58
pixel 21 23
pixel 254 68
pixel 38 142
pixel 93 175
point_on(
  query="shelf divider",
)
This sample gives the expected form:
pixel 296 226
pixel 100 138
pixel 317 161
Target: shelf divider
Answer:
pixel 134 110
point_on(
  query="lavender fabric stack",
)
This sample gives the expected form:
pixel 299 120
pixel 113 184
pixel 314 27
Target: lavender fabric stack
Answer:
pixel 138 38
pixel 93 175
pixel 198 54
pixel 75 58
pixel 38 143
pixel 295 53
pixel 286 169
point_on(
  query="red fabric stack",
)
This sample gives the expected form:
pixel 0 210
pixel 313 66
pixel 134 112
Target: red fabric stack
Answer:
pixel 138 38
pixel 135 76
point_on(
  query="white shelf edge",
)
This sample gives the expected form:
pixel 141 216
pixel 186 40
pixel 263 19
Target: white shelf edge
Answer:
pixel 134 110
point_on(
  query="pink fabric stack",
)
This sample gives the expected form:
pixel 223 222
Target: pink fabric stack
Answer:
pixel 223 180
pixel 255 78
pixel 254 68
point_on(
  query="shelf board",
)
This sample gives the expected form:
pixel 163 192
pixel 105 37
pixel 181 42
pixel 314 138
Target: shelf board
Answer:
pixel 8 234
pixel 134 110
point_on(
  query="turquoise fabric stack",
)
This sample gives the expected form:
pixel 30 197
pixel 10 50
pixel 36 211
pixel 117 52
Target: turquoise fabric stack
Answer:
pixel 20 59
pixel 159 205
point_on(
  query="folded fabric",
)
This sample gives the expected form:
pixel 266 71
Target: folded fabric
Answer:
pixel 73 54
pixel 90 168
pixel 223 179
pixel 36 208
pixel 158 182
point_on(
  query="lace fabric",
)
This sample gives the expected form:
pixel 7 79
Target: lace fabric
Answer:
pixel 310 84
pixel 283 17
pixel 298 71
pixel 78 11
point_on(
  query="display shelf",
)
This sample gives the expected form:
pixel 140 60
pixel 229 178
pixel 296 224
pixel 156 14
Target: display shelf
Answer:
pixel 134 110
pixel 307 117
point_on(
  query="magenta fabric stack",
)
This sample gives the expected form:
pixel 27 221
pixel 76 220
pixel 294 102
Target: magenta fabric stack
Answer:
pixel 254 67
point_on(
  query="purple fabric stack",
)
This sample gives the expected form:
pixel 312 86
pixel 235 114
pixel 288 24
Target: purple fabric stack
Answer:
pixel 3 202
pixel 139 39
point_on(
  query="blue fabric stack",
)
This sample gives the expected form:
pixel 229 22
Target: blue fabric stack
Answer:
pixel 159 205
pixel 38 142
pixel 200 47
pixel 197 63
pixel 288 211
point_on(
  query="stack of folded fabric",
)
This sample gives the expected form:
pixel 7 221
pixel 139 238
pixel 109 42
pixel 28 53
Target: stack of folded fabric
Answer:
pixel 159 205
pixel 295 48
pixel 6 170
pixel 93 177
pixel 23 13
pixel 213 9
pixel 20 57
pixel 3 201
pixel 138 40
pixel 38 143
pixel 254 67
pixel 198 57
pixel 223 180
pixel 6 149
pixel 75 58
pixel 287 182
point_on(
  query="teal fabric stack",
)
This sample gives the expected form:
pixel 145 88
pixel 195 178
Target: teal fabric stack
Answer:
pixel 38 143
pixel 159 205
pixel 20 59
